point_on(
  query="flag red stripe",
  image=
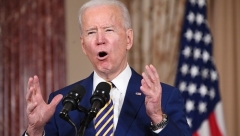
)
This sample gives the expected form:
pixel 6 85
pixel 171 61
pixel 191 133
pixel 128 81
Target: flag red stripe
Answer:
pixel 195 134
pixel 213 125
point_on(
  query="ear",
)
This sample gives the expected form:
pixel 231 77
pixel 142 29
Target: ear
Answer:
pixel 83 45
pixel 129 38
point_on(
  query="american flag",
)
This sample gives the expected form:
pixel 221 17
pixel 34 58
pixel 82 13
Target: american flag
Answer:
pixel 197 77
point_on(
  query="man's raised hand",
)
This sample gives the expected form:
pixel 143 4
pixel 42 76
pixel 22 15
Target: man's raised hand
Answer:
pixel 38 111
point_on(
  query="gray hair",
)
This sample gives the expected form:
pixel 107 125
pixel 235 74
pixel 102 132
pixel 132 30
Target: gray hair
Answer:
pixel 126 17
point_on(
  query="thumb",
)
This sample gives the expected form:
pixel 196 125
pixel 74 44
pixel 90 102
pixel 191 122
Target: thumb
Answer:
pixel 56 100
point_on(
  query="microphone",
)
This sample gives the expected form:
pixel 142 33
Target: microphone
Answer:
pixel 100 97
pixel 71 100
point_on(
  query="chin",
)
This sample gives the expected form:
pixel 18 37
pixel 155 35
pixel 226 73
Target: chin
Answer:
pixel 104 68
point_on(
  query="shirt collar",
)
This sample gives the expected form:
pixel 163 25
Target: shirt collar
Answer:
pixel 121 81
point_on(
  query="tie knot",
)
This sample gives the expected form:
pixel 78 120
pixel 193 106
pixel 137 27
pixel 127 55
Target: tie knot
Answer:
pixel 113 86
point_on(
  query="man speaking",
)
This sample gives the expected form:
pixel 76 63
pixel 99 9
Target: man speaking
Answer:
pixel 139 104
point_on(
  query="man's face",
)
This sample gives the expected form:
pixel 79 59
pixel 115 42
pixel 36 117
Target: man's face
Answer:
pixel 105 40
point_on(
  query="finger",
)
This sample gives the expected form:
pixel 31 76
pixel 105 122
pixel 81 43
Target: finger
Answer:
pixel 55 101
pixel 29 94
pixel 153 75
pixel 144 88
pixel 157 83
pixel 147 80
pixel 36 85
pixel 30 82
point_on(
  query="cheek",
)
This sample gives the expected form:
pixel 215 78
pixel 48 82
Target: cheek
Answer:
pixel 89 50
pixel 120 51
pixel 89 47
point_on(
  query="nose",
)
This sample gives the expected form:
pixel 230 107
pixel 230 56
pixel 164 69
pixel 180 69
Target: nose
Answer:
pixel 100 38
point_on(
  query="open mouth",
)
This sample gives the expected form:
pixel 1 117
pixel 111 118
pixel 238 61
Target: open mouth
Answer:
pixel 102 54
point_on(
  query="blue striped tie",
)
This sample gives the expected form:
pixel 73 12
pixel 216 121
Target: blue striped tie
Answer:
pixel 104 120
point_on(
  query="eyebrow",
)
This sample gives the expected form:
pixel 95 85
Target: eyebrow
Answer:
pixel 95 28
pixel 111 26
pixel 92 28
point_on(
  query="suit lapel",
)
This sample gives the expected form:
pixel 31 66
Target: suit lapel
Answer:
pixel 88 85
pixel 133 100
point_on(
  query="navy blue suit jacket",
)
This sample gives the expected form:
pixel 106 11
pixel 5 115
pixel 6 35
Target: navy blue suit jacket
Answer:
pixel 133 120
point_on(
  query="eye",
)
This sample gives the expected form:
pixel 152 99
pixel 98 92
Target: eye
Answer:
pixel 90 32
pixel 109 30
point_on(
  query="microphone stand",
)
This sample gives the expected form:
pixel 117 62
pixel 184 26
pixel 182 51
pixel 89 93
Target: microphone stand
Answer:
pixel 86 120
pixel 82 129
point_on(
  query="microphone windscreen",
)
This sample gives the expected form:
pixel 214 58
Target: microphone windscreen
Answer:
pixel 80 90
pixel 104 86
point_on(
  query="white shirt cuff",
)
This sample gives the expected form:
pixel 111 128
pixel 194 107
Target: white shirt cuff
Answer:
pixel 28 135
pixel 158 131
